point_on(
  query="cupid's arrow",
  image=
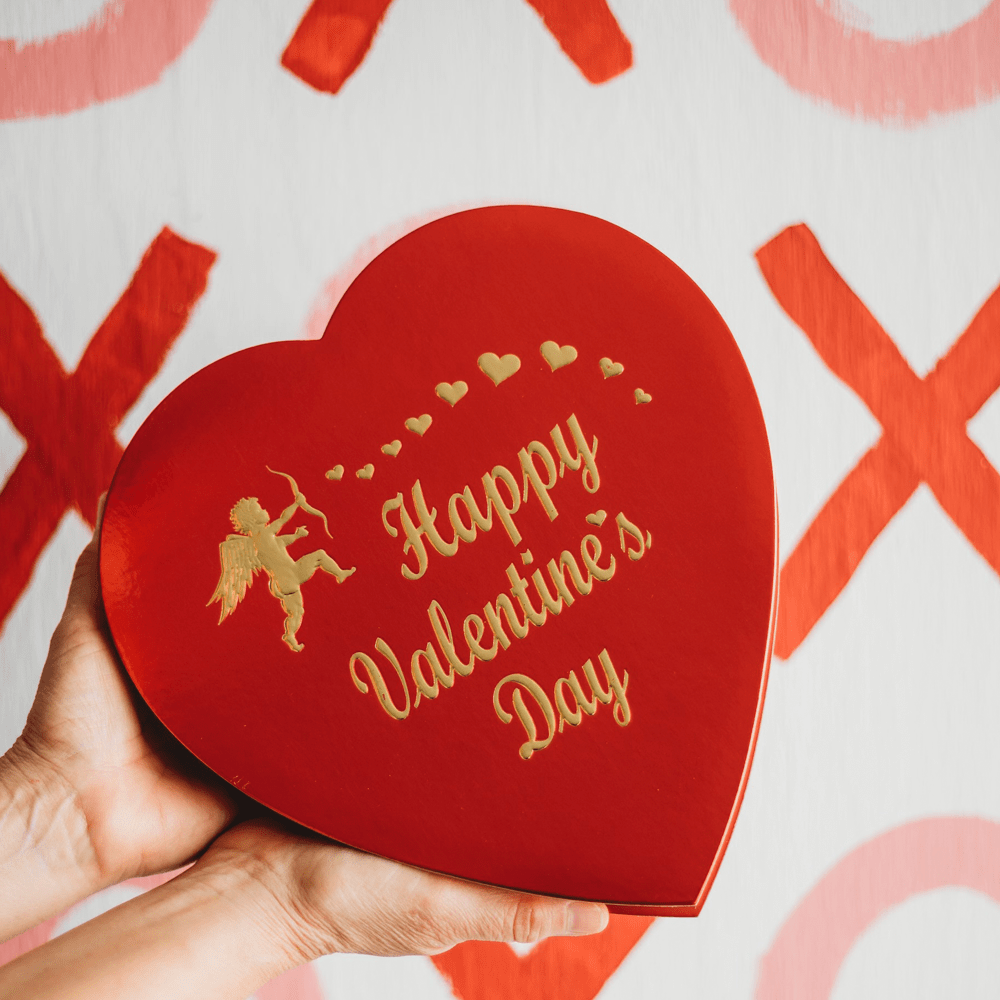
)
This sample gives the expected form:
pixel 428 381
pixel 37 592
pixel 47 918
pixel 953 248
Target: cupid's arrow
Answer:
pixel 300 498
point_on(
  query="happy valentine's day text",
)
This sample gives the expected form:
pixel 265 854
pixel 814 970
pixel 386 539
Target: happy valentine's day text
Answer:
pixel 426 668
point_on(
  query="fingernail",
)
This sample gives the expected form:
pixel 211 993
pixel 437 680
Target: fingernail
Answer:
pixel 585 918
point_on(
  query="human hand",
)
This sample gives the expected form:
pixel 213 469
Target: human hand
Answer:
pixel 266 897
pixel 327 898
pixel 116 794
pixel 117 797
pixel 301 532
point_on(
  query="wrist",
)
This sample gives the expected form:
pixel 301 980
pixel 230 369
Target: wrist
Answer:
pixel 46 858
pixel 254 866
pixel 209 932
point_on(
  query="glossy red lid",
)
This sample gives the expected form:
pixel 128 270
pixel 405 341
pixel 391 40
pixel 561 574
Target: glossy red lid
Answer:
pixel 525 640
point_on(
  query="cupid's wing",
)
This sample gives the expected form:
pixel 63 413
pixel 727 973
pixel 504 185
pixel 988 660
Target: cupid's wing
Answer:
pixel 239 566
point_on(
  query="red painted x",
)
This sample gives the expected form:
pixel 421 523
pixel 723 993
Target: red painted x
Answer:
pixel 923 429
pixel 69 420
pixel 564 967
pixel 334 36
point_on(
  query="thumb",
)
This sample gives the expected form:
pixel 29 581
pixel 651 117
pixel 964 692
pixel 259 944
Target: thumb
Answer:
pixel 85 588
pixel 525 919
pixel 471 912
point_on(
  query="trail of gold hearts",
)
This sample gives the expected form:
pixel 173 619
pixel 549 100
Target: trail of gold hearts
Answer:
pixel 497 368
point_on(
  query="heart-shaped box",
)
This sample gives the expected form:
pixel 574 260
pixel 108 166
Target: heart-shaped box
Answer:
pixel 526 641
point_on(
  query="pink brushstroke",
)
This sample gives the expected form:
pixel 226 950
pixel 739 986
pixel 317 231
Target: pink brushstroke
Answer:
pixel 334 288
pixel 298 984
pixel 17 946
pixel 810 948
pixel 877 78
pixel 126 47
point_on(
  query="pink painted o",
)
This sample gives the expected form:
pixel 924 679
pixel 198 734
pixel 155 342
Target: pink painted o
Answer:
pixel 298 984
pixel 810 948
pixel 125 48
pixel 337 284
pixel 883 79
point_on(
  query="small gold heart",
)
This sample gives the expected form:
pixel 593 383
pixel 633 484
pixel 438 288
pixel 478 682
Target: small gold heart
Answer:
pixel 367 472
pixel 451 392
pixel 597 518
pixel 336 472
pixel 611 368
pixel 419 424
pixel 642 397
pixel 392 448
pixel 498 368
pixel 557 356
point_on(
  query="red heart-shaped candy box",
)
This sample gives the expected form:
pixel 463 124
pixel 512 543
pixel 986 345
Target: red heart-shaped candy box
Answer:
pixel 535 442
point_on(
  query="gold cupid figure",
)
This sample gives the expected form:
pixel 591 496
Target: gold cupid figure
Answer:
pixel 261 547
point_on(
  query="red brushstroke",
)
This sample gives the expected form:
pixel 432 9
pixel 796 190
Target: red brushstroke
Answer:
pixel 69 420
pixel 334 36
pixel 568 968
pixel 332 40
pixel 923 422
pixel 588 33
